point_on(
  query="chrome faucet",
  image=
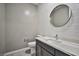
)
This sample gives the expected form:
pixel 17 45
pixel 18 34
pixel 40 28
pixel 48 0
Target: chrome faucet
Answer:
pixel 56 36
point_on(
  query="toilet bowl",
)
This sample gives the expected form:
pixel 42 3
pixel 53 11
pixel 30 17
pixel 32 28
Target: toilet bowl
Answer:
pixel 32 47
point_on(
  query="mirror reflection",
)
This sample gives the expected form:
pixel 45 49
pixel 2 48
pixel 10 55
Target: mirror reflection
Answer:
pixel 60 15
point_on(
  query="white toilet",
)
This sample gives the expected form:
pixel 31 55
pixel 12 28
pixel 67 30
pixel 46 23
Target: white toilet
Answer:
pixel 32 47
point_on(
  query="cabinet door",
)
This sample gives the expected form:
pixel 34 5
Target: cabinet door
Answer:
pixel 45 53
pixel 38 50
pixel 46 47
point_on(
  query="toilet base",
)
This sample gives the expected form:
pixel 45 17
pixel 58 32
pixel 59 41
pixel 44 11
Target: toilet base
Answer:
pixel 31 45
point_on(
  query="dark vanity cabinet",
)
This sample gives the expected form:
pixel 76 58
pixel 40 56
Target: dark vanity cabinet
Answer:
pixel 43 49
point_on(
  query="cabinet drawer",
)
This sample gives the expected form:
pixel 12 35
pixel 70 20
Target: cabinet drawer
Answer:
pixel 60 53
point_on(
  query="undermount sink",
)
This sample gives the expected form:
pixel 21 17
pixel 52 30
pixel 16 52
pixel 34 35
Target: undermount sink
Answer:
pixel 53 40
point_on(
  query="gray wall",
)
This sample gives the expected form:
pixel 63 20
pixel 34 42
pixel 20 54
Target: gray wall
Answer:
pixel 2 29
pixel 19 25
pixel 68 32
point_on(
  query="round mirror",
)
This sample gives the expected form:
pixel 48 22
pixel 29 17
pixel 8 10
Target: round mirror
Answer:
pixel 60 15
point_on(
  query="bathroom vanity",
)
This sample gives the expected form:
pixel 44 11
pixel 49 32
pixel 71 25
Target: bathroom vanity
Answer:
pixel 51 47
pixel 43 49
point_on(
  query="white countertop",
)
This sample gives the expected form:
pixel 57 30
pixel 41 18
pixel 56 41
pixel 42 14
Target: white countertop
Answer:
pixel 64 47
